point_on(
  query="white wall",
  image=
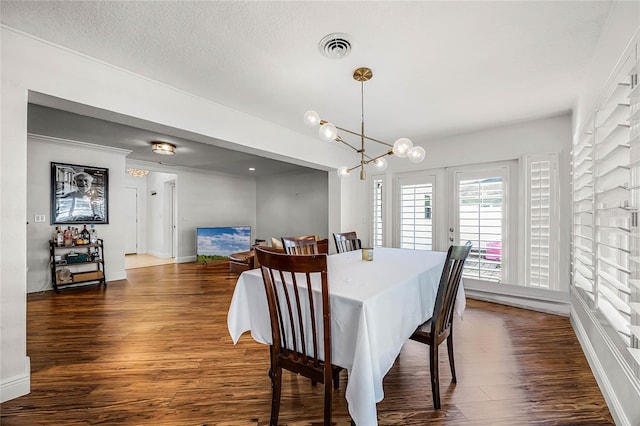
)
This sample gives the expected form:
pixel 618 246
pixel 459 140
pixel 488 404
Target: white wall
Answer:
pixel 28 64
pixel 212 200
pixel 355 214
pixel 204 199
pixel 620 385
pixel 293 204
pixel 41 152
pixel 547 135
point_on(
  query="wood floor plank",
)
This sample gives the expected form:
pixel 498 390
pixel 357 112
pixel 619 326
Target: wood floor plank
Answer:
pixel 155 350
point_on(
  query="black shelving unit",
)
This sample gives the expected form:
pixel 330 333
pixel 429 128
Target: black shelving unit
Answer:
pixel 80 273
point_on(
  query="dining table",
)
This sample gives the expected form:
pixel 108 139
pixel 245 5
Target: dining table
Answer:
pixel 375 307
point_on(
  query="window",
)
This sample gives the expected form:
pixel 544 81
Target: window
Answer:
pixel 415 195
pixel 427 206
pixel 606 193
pixel 541 255
pixel 377 212
pixel 480 221
pixel 415 226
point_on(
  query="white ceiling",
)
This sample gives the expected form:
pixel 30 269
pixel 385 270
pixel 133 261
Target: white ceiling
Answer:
pixel 439 67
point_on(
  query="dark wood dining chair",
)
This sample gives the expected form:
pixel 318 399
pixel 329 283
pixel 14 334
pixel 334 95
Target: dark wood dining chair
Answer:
pixel 300 327
pixel 347 241
pixel 306 244
pixel 440 326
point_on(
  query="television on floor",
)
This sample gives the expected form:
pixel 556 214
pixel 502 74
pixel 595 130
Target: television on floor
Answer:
pixel 217 243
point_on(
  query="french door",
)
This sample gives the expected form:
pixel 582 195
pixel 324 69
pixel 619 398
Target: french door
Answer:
pixel 415 195
pixel 441 207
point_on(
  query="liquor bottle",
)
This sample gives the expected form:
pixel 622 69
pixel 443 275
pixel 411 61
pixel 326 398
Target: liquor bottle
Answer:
pixel 85 235
pixel 59 237
pixel 94 235
pixel 68 238
pixel 76 237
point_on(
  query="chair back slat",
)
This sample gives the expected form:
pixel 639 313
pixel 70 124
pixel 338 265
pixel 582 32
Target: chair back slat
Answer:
pixel 294 310
pixel 302 245
pixel 292 333
pixel 314 331
pixel 347 241
pixel 448 290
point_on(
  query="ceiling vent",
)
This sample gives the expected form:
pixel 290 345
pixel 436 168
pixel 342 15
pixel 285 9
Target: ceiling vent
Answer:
pixel 335 46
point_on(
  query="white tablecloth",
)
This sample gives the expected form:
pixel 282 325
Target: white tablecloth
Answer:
pixel 375 307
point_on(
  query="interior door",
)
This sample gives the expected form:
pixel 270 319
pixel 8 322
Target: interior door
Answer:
pixel 131 221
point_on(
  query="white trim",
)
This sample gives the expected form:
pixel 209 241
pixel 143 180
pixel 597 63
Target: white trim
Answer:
pixel 78 144
pixel 16 386
pixel 118 277
pixel 161 255
pixel 599 372
pixel 535 299
pixel 186 259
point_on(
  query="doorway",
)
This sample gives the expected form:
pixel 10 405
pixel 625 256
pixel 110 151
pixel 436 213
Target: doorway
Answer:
pixel 153 216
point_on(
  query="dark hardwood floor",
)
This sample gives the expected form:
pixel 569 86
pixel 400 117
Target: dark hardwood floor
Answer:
pixel 155 350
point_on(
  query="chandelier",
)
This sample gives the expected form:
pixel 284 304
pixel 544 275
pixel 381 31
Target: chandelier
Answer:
pixel 137 172
pixel 402 148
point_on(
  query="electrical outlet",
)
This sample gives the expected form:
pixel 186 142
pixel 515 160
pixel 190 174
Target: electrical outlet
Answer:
pixel 39 218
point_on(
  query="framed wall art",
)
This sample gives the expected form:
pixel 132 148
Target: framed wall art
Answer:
pixel 79 194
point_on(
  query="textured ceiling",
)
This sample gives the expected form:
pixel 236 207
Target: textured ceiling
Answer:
pixel 439 67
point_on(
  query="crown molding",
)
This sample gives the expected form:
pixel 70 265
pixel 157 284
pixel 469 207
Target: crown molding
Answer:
pixel 79 144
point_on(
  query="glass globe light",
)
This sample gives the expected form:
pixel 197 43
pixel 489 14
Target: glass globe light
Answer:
pixel 328 132
pixel 416 154
pixel 402 146
pixel 343 171
pixel 311 118
pixel 380 164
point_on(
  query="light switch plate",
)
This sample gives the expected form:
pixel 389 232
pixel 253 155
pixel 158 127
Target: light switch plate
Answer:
pixel 39 218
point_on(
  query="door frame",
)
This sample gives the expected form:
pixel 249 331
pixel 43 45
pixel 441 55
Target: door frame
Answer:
pixel 444 218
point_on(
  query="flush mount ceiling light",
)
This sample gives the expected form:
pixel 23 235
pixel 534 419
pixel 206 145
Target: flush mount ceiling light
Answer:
pixel 402 148
pixel 138 172
pixel 163 148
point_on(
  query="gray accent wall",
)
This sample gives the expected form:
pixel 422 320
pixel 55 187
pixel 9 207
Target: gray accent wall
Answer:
pixel 293 204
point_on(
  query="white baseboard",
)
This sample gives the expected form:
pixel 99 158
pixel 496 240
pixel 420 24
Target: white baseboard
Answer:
pixel 555 307
pixel 617 383
pixel 186 259
pixel 161 255
pixel 16 386
pixel 117 277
